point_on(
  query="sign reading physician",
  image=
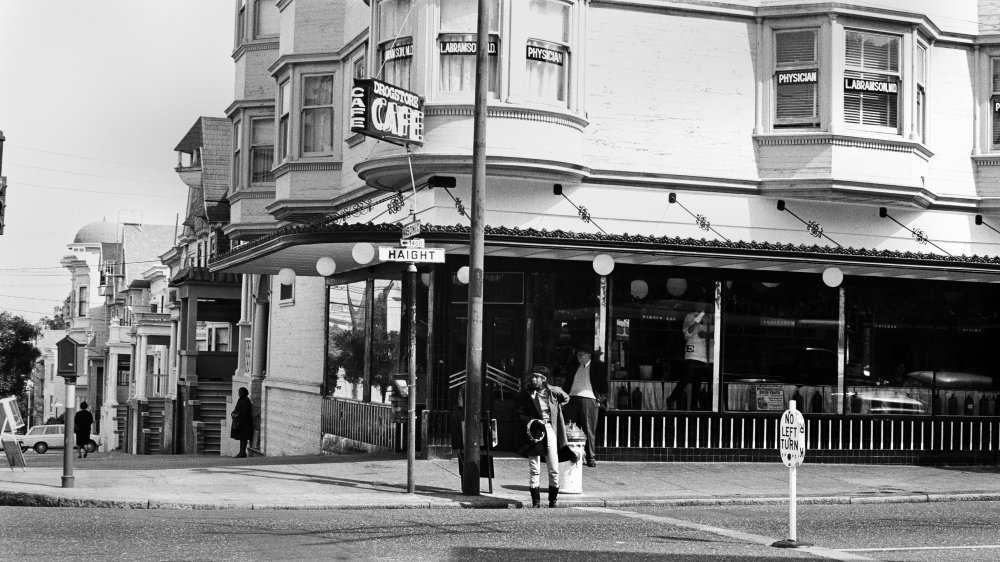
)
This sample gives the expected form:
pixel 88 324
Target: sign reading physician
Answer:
pixel 386 112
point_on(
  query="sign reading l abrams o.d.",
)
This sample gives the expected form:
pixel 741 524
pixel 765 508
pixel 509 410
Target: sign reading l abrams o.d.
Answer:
pixel 386 112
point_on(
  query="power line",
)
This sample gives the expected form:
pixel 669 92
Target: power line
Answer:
pixel 92 175
pixel 126 193
pixel 87 158
pixel 26 298
pixel 61 267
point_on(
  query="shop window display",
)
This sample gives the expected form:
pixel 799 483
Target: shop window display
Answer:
pixel 922 347
pixel 662 341
pixel 781 338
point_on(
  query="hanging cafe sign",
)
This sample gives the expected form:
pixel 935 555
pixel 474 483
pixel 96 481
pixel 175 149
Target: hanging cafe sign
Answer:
pixel 386 112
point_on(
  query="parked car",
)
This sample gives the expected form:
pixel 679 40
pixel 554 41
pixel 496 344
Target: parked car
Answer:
pixel 41 438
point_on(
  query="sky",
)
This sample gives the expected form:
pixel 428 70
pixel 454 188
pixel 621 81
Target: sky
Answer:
pixel 94 96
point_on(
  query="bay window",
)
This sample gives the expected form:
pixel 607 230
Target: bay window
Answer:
pixel 395 47
pixel 317 114
pixel 796 78
pixel 261 151
pixel 457 46
pixel 265 15
pixel 995 101
pixel 871 79
pixel 547 51
pixel 920 101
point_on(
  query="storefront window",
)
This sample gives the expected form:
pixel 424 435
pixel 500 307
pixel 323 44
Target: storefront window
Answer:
pixel 922 347
pixel 563 317
pixel 781 338
pixel 662 341
pixel 347 322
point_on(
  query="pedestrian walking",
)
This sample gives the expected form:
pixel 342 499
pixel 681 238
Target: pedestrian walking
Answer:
pixel 587 385
pixel 539 408
pixel 242 421
pixel 81 428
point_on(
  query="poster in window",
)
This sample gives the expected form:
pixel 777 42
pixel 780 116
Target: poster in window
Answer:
pixel 770 398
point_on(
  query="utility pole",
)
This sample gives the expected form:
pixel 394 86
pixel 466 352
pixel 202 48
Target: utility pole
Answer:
pixel 474 345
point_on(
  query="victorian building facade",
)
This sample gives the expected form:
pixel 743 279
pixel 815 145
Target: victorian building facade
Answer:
pixel 817 183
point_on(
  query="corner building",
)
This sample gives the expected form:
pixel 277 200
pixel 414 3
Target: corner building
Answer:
pixel 816 183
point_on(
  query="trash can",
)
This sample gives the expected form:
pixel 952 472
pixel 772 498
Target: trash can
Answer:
pixel 571 472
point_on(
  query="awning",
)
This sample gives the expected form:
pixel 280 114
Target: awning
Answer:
pixel 298 247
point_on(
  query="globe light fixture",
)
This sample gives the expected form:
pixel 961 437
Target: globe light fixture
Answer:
pixel 677 286
pixel 463 275
pixel 286 276
pixel 604 264
pixel 325 266
pixel 639 289
pixel 833 276
pixel 363 252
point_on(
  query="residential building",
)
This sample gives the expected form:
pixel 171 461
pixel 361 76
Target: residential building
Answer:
pixel 814 185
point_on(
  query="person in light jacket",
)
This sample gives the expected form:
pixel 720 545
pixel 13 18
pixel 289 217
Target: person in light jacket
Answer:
pixel 539 409
pixel 242 421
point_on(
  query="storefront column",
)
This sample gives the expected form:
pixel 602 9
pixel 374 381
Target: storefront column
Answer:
pixel 716 350
pixel 601 316
pixel 841 350
pixel 366 390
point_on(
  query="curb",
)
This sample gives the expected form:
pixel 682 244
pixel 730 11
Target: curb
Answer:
pixel 26 499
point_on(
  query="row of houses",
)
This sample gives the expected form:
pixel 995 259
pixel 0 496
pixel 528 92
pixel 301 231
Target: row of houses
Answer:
pixel 820 178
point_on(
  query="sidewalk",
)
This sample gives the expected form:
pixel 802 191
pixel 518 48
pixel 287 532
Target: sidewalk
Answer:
pixel 365 481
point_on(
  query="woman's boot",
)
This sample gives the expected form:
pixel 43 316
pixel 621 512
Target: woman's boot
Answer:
pixel 536 497
pixel 553 494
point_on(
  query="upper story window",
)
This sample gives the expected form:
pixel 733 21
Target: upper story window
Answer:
pixel 457 46
pixel 920 100
pixel 317 114
pixel 284 109
pixel 871 79
pixel 265 18
pixel 261 151
pixel 360 67
pixel 995 101
pixel 83 304
pixel 395 41
pixel 241 22
pixel 547 52
pixel 796 78
pixel 237 163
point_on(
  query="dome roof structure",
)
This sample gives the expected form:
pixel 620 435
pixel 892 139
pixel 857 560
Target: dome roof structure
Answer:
pixel 97 233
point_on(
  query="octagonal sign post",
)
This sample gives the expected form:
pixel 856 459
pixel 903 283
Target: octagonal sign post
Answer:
pixel 792 446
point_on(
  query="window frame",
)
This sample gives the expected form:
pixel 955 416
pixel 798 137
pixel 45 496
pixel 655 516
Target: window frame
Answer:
pixel 283 136
pixel 387 40
pixel 872 74
pixel 257 11
pixel 779 68
pixel 254 147
pixel 563 45
pixel 303 109
pixel 448 32
pixel 237 155
pixel 83 301
pixel 994 102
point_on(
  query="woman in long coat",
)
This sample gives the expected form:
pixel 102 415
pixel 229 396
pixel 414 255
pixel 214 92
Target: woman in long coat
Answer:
pixel 539 408
pixel 242 425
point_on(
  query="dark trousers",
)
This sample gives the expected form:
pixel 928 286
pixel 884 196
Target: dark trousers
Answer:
pixel 583 412
pixel 693 373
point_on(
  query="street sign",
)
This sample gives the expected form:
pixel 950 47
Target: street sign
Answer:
pixel 412 255
pixel 792 437
pixel 411 229
pixel 411 243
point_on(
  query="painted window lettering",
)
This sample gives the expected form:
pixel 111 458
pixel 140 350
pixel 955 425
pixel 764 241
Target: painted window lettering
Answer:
pixel 545 55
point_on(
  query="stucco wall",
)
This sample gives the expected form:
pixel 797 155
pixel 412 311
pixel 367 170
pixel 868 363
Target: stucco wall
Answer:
pixel 292 407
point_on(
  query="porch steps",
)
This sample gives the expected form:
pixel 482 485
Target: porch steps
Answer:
pixel 121 421
pixel 212 396
pixel 155 424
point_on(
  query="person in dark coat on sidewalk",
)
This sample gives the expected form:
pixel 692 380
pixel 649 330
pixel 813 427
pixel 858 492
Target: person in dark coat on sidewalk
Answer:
pixel 242 424
pixel 587 385
pixel 81 428
pixel 539 409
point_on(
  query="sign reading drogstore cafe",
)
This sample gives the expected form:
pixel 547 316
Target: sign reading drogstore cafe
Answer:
pixel 386 112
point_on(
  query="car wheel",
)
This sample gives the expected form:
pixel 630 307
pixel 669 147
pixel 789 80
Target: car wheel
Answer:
pixel 90 446
pixel 41 447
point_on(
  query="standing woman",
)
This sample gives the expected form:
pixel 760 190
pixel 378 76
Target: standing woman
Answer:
pixel 539 407
pixel 81 428
pixel 242 421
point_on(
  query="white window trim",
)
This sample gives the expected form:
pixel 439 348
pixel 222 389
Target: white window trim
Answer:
pixel 785 124
pixel 298 127
pixel 903 80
